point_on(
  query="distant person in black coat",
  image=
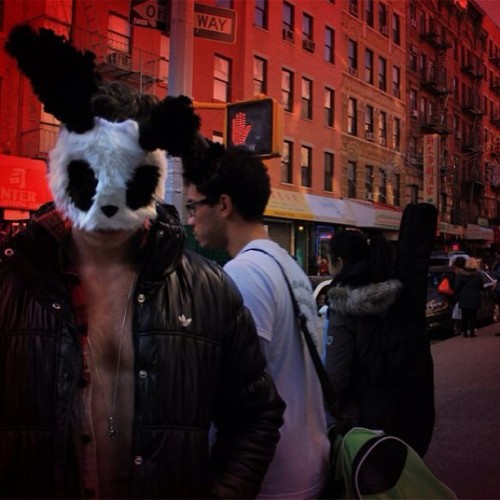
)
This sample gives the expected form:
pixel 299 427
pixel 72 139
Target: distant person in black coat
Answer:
pixel 468 288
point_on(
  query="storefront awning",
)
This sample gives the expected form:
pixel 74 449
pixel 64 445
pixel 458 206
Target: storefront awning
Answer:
pixel 23 183
pixel 372 215
pixel 288 205
pixel 475 232
pixel 330 210
pixel 453 229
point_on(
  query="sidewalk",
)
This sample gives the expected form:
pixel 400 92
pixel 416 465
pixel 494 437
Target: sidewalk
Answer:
pixel 465 449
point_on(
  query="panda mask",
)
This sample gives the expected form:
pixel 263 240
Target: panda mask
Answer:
pixel 103 175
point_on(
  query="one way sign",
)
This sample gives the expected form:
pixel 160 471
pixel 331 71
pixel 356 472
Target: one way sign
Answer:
pixel 214 23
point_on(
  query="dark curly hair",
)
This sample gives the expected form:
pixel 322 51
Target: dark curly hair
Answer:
pixel 235 172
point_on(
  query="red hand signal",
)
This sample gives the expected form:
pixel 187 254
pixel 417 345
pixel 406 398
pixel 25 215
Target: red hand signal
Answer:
pixel 239 129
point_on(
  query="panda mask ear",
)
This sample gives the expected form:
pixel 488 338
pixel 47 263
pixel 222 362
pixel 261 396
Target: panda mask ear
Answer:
pixel 104 173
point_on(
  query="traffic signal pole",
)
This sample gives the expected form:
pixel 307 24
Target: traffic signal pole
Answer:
pixel 180 82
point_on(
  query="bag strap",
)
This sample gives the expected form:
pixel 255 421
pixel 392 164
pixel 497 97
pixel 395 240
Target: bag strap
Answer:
pixel 329 396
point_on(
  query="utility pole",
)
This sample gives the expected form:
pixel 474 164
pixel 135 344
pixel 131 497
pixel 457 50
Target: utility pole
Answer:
pixel 180 81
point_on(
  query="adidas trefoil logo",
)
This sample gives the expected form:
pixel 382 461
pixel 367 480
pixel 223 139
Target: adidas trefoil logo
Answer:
pixel 185 321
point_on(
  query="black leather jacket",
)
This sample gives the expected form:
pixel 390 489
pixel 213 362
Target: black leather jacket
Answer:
pixel 210 370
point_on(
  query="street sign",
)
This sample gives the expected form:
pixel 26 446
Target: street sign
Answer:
pixel 151 14
pixel 214 23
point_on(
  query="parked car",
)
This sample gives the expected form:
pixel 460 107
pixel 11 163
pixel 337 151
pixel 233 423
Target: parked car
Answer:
pixel 440 305
pixel 445 259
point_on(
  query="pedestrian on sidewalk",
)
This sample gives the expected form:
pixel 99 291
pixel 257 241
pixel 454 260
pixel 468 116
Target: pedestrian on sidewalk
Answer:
pixel 118 346
pixel 468 288
pixel 226 198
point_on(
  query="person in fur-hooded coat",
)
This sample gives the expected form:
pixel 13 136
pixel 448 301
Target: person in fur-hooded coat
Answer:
pixel 378 355
pixel 364 289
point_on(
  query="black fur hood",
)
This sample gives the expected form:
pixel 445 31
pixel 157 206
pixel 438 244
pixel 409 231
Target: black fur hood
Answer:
pixel 373 299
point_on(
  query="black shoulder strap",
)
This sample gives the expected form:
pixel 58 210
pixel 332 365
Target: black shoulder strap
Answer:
pixel 329 396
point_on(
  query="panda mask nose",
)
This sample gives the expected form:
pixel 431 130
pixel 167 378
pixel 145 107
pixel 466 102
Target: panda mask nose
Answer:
pixel 109 210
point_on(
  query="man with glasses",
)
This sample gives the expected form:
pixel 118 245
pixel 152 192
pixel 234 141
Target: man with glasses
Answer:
pixel 227 194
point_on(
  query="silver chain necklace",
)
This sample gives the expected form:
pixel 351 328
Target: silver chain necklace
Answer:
pixel 112 431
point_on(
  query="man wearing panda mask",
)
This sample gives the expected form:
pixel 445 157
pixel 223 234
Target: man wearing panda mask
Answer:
pixel 118 347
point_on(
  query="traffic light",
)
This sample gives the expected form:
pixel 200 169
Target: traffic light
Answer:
pixel 256 124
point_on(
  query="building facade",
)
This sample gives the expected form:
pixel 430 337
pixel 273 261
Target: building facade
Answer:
pixel 384 102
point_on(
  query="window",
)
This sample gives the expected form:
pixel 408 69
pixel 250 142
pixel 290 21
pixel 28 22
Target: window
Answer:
pixel 413 100
pixel 396 82
pixel 287 90
pixel 396 29
pixel 423 66
pixel 288 21
pixel 222 79
pixel 225 4
pixel 413 13
pixel 353 7
pixel 305 166
pixel 369 123
pixel 413 194
pixel 261 13
pixel 396 134
pixel 351 179
pixel 369 12
pixel 382 191
pixel 369 182
pixel 423 108
pixel 396 190
pixel 329 54
pixel 382 127
pixel 307 27
pixel 369 66
pixel 287 163
pixel 352 116
pixel 328 169
pixel 306 98
pixel 412 59
pixel 118 34
pixel 382 19
pixel 382 74
pixel 2 7
pixel 259 75
pixel 352 57
pixel 329 107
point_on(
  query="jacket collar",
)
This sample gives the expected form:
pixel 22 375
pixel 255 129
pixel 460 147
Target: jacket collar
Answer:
pixel 162 246
pixel 374 299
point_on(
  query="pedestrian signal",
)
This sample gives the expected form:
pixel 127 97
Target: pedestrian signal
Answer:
pixel 256 124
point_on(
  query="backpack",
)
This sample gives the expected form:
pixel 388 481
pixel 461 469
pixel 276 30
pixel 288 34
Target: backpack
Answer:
pixel 370 464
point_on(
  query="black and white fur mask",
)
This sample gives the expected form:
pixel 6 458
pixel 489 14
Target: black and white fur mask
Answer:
pixel 104 175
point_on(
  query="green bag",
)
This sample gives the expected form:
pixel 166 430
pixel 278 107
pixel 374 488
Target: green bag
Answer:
pixel 373 465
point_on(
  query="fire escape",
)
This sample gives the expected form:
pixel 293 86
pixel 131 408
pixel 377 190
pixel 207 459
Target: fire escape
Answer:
pixel 436 83
pixel 472 147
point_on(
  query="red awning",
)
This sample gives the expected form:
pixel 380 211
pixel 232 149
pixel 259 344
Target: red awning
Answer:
pixel 23 183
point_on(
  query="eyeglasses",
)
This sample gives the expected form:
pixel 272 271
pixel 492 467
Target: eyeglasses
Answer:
pixel 192 206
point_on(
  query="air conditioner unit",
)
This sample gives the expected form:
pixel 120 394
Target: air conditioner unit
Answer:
pixel 384 30
pixel 413 22
pixel 382 141
pixel 413 49
pixel 414 113
pixel 353 71
pixel 353 9
pixel 369 136
pixel 308 44
pixel 119 59
pixel 369 196
pixel 288 35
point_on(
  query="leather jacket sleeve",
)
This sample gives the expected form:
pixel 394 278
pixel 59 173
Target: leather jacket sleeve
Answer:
pixel 249 417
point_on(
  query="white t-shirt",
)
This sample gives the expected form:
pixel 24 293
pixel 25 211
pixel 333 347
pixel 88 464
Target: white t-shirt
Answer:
pixel 299 468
